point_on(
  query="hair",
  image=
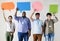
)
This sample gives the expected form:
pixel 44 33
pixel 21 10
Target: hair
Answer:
pixel 10 16
pixel 24 12
pixel 37 14
pixel 48 14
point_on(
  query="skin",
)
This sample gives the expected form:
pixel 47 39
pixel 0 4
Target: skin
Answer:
pixel 23 14
pixel 48 17
pixel 37 16
pixel 9 20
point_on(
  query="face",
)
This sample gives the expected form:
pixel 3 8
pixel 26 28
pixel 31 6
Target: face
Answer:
pixel 23 14
pixel 37 16
pixel 10 19
pixel 49 17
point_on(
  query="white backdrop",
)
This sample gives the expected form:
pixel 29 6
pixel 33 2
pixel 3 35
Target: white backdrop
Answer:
pixel 43 17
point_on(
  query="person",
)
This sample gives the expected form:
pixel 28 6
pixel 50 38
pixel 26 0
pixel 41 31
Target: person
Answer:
pixel 37 27
pixel 10 27
pixel 24 26
pixel 49 27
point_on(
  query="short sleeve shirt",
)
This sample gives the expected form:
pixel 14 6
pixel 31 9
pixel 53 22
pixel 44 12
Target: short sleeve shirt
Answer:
pixel 37 26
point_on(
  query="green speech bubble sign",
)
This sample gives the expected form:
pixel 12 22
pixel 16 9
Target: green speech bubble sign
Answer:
pixel 53 8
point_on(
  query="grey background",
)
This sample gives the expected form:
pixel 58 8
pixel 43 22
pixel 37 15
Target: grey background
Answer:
pixel 46 4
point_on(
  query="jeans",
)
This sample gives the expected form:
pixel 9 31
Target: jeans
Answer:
pixel 22 36
pixel 49 37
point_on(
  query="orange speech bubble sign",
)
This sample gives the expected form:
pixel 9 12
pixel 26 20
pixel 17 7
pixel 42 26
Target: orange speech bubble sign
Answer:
pixel 7 5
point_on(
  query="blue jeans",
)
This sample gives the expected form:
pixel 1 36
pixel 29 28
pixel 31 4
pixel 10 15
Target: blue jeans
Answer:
pixel 49 37
pixel 22 36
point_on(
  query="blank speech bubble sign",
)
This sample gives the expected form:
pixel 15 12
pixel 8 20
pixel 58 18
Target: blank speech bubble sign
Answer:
pixel 38 6
pixel 23 6
pixel 53 8
pixel 7 5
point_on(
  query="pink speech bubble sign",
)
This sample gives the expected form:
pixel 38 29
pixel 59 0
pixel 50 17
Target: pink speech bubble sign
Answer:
pixel 38 6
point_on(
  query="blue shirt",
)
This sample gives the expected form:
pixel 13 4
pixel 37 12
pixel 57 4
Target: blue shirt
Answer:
pixel 37 23
pixel 24 24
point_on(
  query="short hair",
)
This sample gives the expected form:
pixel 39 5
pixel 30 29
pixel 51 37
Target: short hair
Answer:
pixel 10 16
pixel 24 12
pixel 37 14
pixel 48 14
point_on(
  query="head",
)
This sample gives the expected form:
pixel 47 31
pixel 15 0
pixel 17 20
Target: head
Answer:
pixel 24 14
pixel 49 15
pixel 10 18
pixel 37 15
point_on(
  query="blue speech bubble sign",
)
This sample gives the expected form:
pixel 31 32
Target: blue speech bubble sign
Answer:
pixel 23 6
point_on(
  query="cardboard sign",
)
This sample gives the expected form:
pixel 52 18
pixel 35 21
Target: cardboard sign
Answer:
pixel 8 5
pixel 38 6
pixel 53 8
pixel 23 6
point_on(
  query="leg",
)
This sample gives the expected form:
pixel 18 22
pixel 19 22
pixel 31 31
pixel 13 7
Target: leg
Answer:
pixel 51 37
pixel 39 37
pixel 46 37
pixel 25 36
pixel 20 36
pixel 34 37
pixel 11 37
pixel 7 36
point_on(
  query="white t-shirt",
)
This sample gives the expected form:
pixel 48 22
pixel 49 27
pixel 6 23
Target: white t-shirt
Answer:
pixel 10 27
pixel 37 26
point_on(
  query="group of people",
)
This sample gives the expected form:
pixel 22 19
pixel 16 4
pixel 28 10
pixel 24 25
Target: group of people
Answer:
pixel 24 27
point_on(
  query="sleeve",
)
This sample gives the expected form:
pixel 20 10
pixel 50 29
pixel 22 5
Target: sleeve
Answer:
pixel 44 26
pixel 17 18
pixel 55 20
pixel 29 24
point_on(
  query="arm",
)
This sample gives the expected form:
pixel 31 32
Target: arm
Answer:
pixel 29 27
pixel 15 16
pixel 56 19
pixel 16 12
pixel 14 27
pixel 32 15
pixel 4 15
pixel 44 26
pixel 29 24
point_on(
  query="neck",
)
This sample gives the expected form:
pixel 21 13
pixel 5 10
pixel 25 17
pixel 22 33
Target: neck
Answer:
pixel 37 18
pixel 10 22
pixel 49 19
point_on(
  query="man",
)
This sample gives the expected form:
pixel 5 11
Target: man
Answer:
pixel 38 27
pixel 49 27
pixel 10 27
pixel 24 26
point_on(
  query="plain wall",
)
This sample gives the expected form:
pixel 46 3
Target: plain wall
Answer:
pixel 46 4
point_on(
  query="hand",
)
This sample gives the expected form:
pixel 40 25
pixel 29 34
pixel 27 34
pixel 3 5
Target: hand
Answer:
pixel 29 33
pixel 34 10
pixel 3 9
pixel 11 33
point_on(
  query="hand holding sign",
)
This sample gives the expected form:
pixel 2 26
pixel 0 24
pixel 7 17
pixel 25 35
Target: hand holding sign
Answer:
pixel 53 8
pixel 38 6
pixel 7 5
pixel 23 6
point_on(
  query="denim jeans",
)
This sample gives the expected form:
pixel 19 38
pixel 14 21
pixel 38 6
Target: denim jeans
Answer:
pixel 49 37
pixel 22 36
